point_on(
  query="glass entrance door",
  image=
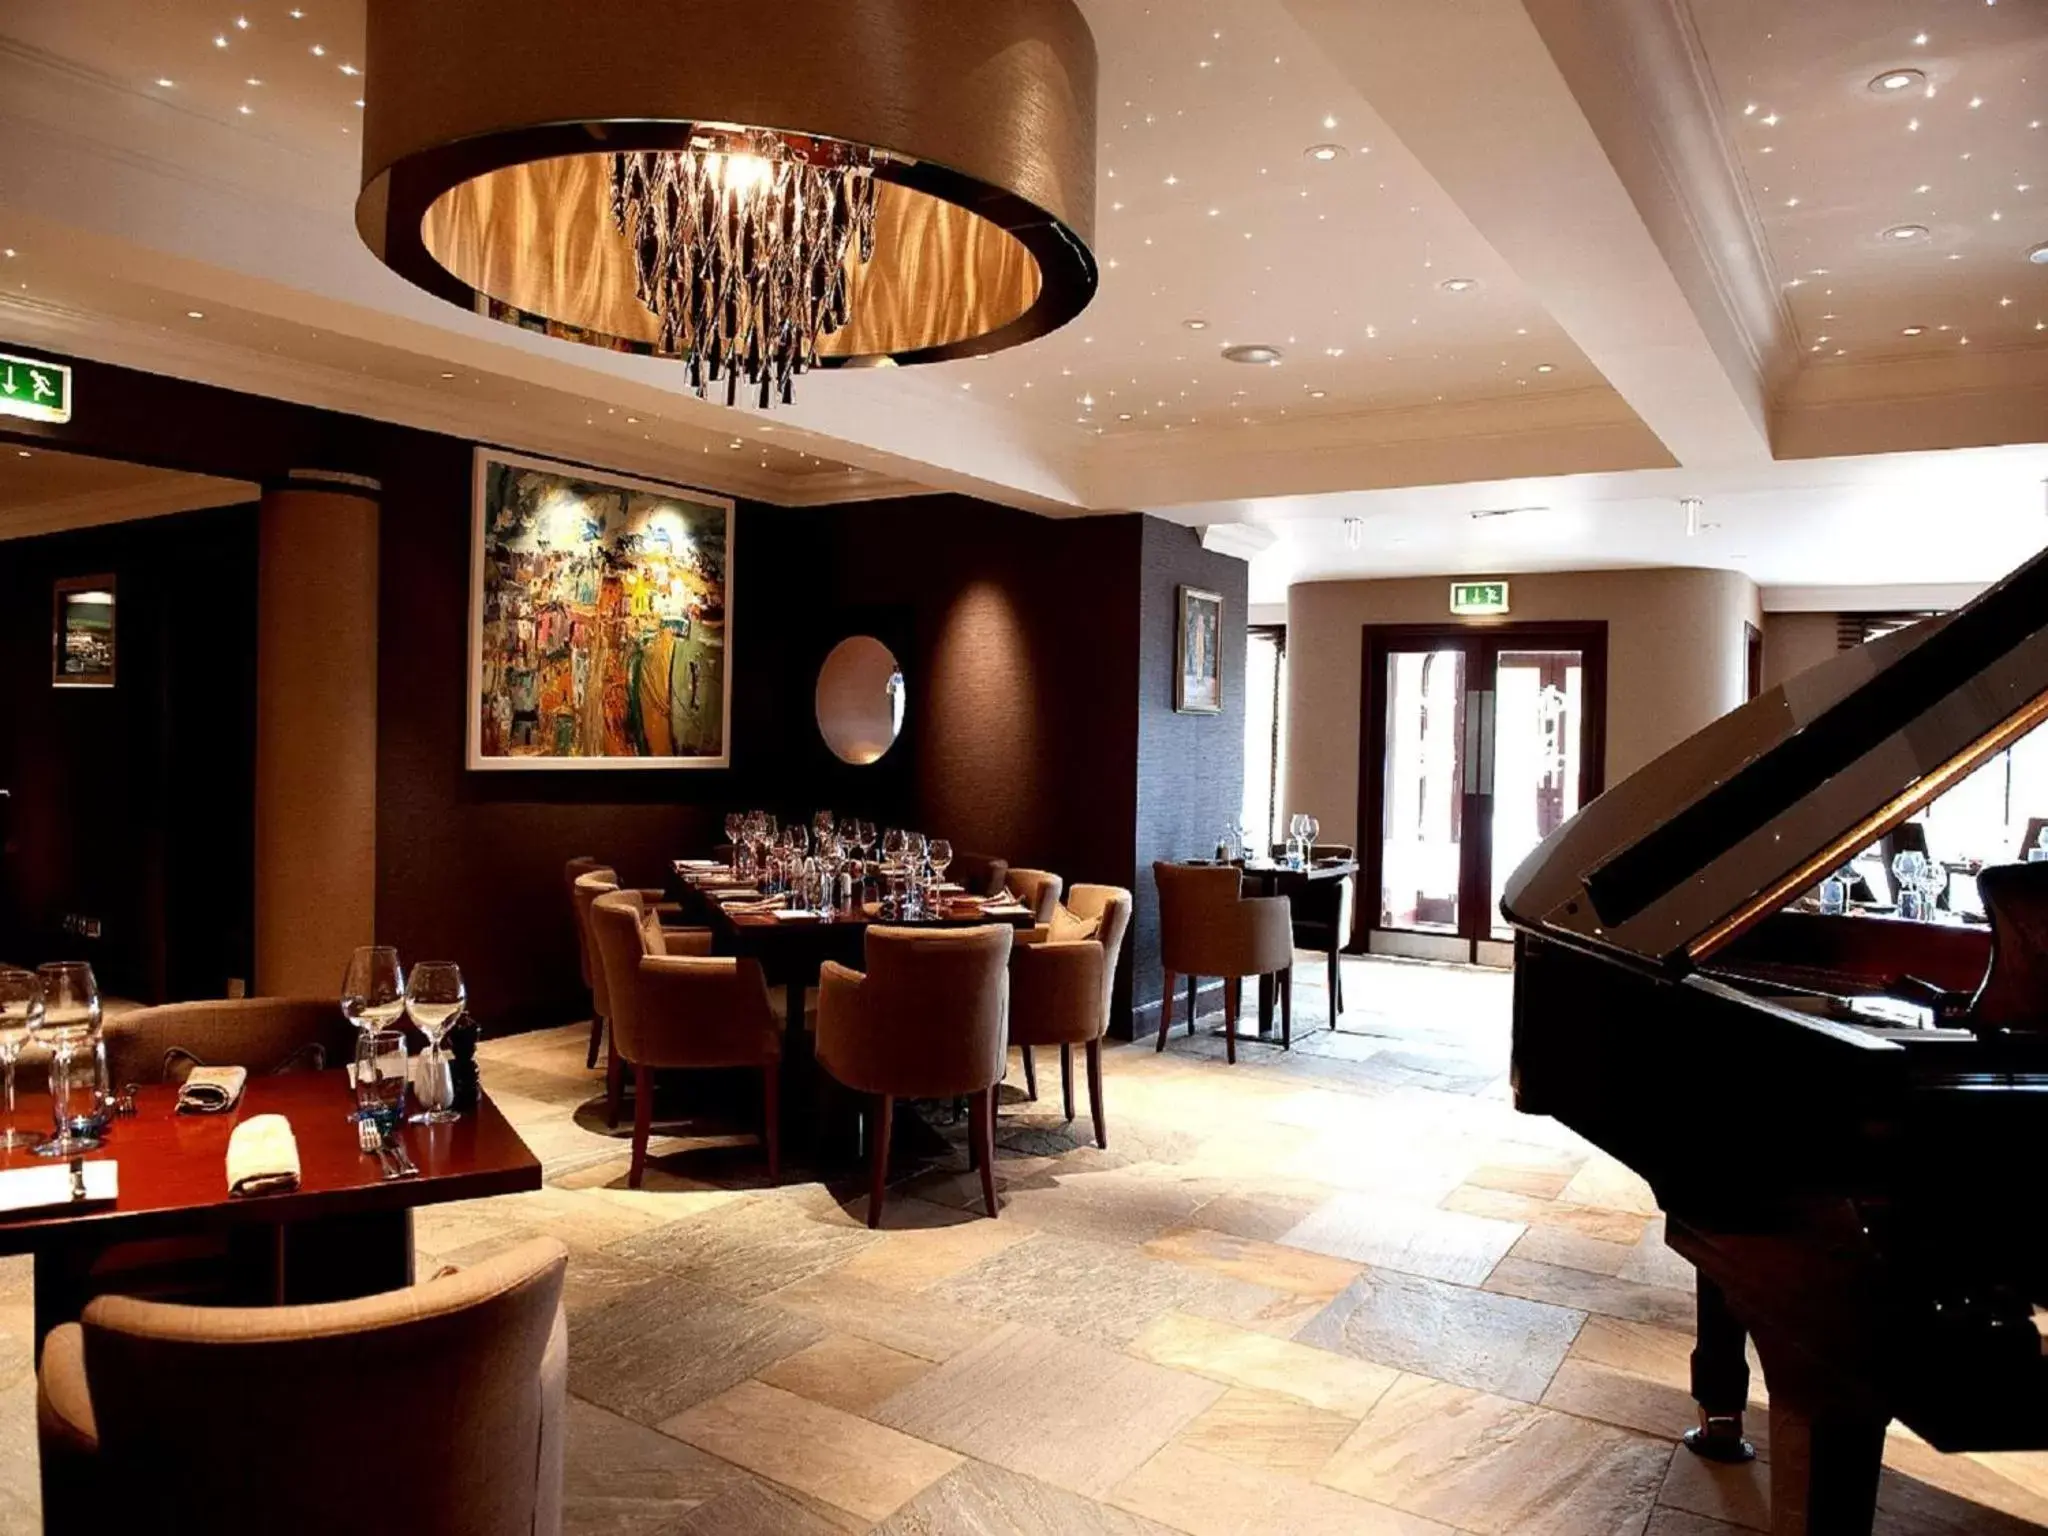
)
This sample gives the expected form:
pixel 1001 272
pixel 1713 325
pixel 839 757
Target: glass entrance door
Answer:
pixel 1479 744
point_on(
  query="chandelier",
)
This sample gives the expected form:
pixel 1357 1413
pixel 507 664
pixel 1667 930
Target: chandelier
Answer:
pixel 889 182
pixel 740 252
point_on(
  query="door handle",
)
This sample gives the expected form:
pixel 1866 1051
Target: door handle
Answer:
pixel 1486 742
pixel 1471 755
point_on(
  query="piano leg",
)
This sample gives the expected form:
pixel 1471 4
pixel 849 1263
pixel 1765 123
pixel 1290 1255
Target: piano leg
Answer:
pixel 1824 1469
pixel 1720 1380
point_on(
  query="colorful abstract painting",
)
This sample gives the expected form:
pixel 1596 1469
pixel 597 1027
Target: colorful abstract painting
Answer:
pixel 601 625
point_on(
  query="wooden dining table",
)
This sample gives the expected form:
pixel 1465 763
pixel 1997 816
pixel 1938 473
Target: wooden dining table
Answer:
pixel 346 1231
pixel 792 952
pixel 1273 877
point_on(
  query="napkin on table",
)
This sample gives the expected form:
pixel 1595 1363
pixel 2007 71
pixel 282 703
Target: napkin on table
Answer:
pixel 263 1157
pixel 211 1090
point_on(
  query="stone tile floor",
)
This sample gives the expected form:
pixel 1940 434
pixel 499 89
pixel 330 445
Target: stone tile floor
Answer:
pixel 1347 1290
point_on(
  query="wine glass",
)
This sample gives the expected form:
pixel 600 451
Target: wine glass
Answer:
pixel 822 824
pixel 735 825
pixel 434 998
pixel 894 845
pixel 21 1014
pixel 1311 829
pixel 1910 870
pixel 941 854
pixel 799 839
pixel 373 989
pixel 70 1018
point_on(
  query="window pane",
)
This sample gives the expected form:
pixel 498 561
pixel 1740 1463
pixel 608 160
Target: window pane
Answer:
pixel 1262 695
pixel 1421 847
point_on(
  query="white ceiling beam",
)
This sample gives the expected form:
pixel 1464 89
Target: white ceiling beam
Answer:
pixel 1472 89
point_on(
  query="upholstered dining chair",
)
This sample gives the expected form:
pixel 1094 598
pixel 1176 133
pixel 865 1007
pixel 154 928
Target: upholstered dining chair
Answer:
pixel 574 870
pixel 660 941
pixel 924 1021
pixel 264 1034
pixel 1323 914
pixel 1060 989
pixel 226 1419
pixel 1209 927
pixel 978 874
pixel 1038 889
pixel 673 1010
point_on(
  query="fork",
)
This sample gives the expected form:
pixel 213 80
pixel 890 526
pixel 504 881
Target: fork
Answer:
pixel 372 1143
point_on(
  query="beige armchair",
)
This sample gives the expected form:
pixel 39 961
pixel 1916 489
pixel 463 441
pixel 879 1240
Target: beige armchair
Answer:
pixel 1038 889
pixel 228 1419
pixel 574 870
pixel 680 1011
pixel 1208 927
pixel 264 1034
pixel 925 1021
pixel 660 941
pixel 1059 992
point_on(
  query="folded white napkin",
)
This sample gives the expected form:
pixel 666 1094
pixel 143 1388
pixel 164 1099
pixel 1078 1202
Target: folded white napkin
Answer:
pixel 211 1090
pixel 263 1157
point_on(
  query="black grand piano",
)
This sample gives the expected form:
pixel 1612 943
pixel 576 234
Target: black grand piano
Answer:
pixel 1841 1114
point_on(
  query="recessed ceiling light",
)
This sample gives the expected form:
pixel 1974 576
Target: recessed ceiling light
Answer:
pixel 1545 368
pixel 195 314
pixel 242 22
pixel 1904 232
pixel 23 453
pixel 1196 325
pixel 1914 330
pixel 2038 255
pixel 166 84
pixel 318 51
pixel 1252 352
pixel 220 40
pixel 1897 80
pixel 1317 394
pixel 1458 284
pixel 447 375
pixel 1325 152
pixel 350 69
pixel 10 253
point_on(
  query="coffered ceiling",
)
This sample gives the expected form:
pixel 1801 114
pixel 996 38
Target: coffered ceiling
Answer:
pixel 1542 239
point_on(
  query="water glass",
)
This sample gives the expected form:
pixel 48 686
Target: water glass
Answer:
pixel 373 988
pixel 1834 895
pixel 381 1077
pixel 434 999
pixel 70 1026
pixel 21 1014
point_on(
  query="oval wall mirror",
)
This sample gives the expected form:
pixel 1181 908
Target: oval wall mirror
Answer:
pixel 860 700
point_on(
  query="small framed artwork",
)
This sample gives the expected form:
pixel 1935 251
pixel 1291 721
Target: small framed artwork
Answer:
pixel 82 633
pixel 1198 677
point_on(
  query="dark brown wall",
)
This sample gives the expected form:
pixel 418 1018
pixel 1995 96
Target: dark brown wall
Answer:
pixel 1190 769
pixel 1038 654
pixel 1016 742
pixel 130 805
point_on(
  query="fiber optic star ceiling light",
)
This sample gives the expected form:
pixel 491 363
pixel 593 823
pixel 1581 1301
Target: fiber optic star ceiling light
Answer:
pixel 755 189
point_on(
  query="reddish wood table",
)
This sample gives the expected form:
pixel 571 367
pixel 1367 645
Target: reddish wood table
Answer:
pixel 346 1231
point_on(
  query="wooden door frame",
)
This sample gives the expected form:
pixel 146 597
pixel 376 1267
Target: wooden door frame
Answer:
pixel 1377 642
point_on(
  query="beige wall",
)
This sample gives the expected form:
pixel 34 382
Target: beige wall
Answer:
pixel 316 738
pixel 1675 656
pixel 1795 641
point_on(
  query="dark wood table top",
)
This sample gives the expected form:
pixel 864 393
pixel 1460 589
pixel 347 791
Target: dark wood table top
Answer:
pixel 174 1167
pixel 1273 872
pixel 870 917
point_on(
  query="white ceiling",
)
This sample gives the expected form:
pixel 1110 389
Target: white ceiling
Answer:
pixel 1634 333
pixel 42 491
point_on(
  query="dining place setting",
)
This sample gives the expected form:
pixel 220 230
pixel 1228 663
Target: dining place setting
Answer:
pixel 274 1148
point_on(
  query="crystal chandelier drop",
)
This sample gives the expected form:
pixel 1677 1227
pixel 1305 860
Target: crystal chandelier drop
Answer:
pixel 740 251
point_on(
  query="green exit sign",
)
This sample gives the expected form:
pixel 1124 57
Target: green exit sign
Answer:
pixel 31 387
pixel 1474 598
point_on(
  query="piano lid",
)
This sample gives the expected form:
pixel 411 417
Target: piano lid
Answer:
pixel 1730 825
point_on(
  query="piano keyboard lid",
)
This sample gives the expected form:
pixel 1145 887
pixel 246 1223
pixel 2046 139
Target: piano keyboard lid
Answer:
pixel 1689 852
